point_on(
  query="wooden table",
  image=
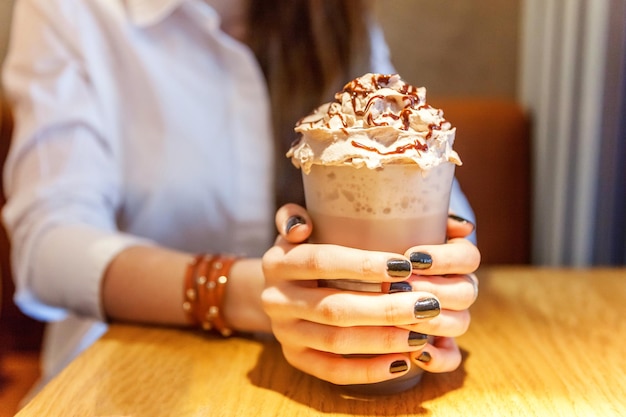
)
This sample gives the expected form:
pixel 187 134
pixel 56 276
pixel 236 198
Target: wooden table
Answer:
pixel 542 342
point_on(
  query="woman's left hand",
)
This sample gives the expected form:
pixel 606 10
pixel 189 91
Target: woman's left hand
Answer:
pixel 443 271
pixel 448 267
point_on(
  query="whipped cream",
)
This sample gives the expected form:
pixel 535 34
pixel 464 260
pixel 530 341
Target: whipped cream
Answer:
pixel 375 120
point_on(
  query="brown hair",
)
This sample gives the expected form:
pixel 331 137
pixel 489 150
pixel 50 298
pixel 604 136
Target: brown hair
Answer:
pixel 307 49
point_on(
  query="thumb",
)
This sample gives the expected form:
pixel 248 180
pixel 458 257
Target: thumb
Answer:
pixel 293 223
pixel 459 227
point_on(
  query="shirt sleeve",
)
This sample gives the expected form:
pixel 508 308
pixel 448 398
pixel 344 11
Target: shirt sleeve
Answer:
pixel 62 175
pixel 460 206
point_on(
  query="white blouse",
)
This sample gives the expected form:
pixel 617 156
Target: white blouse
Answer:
pixel 136 121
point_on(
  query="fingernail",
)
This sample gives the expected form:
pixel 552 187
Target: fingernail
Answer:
pixel 460 219
pixel 417 339
pixel 400 287
pixel 426 308
pixel 398 366
pixel 398 268
pixel 421 260
pixel 424 357
pixel 292 222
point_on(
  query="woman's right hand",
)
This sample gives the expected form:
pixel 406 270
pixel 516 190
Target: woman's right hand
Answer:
pixel 317 326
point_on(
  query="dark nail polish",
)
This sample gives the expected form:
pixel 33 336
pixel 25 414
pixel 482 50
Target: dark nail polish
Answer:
pixel 292 222
pixel 460 219
pixel 398 366
pixel 421 260
pixel 417 339
pixel 426 308
pixel 424 357
pixel 400 287
pixel 398 268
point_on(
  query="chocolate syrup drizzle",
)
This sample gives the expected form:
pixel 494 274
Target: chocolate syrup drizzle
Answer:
pixel 399 150
pixel 358 91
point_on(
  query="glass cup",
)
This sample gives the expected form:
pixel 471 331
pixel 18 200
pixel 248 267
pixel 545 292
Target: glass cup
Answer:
pixel 387 209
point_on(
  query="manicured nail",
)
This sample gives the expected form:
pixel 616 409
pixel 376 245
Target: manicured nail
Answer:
pixel 398 268
pixel 398 366
pixel 417 339
pixel 460 220
pixel 421 260
pixel 292 222
pixel 426 308
pixel 424 357
pixel 400 287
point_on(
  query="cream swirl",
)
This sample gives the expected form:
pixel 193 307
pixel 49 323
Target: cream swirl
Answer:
pixel 375 120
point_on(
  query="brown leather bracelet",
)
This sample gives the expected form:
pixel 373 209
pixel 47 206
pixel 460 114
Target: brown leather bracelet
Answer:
pixel 206 279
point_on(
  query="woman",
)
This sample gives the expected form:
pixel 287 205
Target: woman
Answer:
pixel 144 136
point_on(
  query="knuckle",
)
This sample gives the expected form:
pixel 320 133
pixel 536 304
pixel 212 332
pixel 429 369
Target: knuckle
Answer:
pixel 330 312
pixel 293 357
pixel 332 341
pixel 466 297
pixel 281 332
pixel 394 312
pixel 268 298
pixel 276 303
pixel 313 262
pixel 389 340
pixel 476 256
pixel 464 322
pixel 269 262
pixel 455 360
pixel 366 266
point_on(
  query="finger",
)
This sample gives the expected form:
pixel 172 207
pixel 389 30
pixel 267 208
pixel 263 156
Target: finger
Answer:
pixel 293 223
pixel 349 340
pixel 448 323
pixel 459 226
pixel 458 256
pixel 341 370
pixel 443 355
pixel 456 292
pixel 347 308
pixel 320 261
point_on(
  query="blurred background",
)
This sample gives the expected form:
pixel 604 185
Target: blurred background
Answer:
pixel 562 62
pixel 455 48
pixel 537 91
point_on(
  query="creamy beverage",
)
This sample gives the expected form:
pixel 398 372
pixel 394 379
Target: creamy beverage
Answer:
pixel 387 209
pixel 377 165
pixel 390 235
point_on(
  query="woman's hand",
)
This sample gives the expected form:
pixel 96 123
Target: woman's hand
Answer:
pixel 317 326
pixel 451 267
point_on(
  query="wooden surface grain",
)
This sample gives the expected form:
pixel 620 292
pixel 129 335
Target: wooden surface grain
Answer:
pixel 543 342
